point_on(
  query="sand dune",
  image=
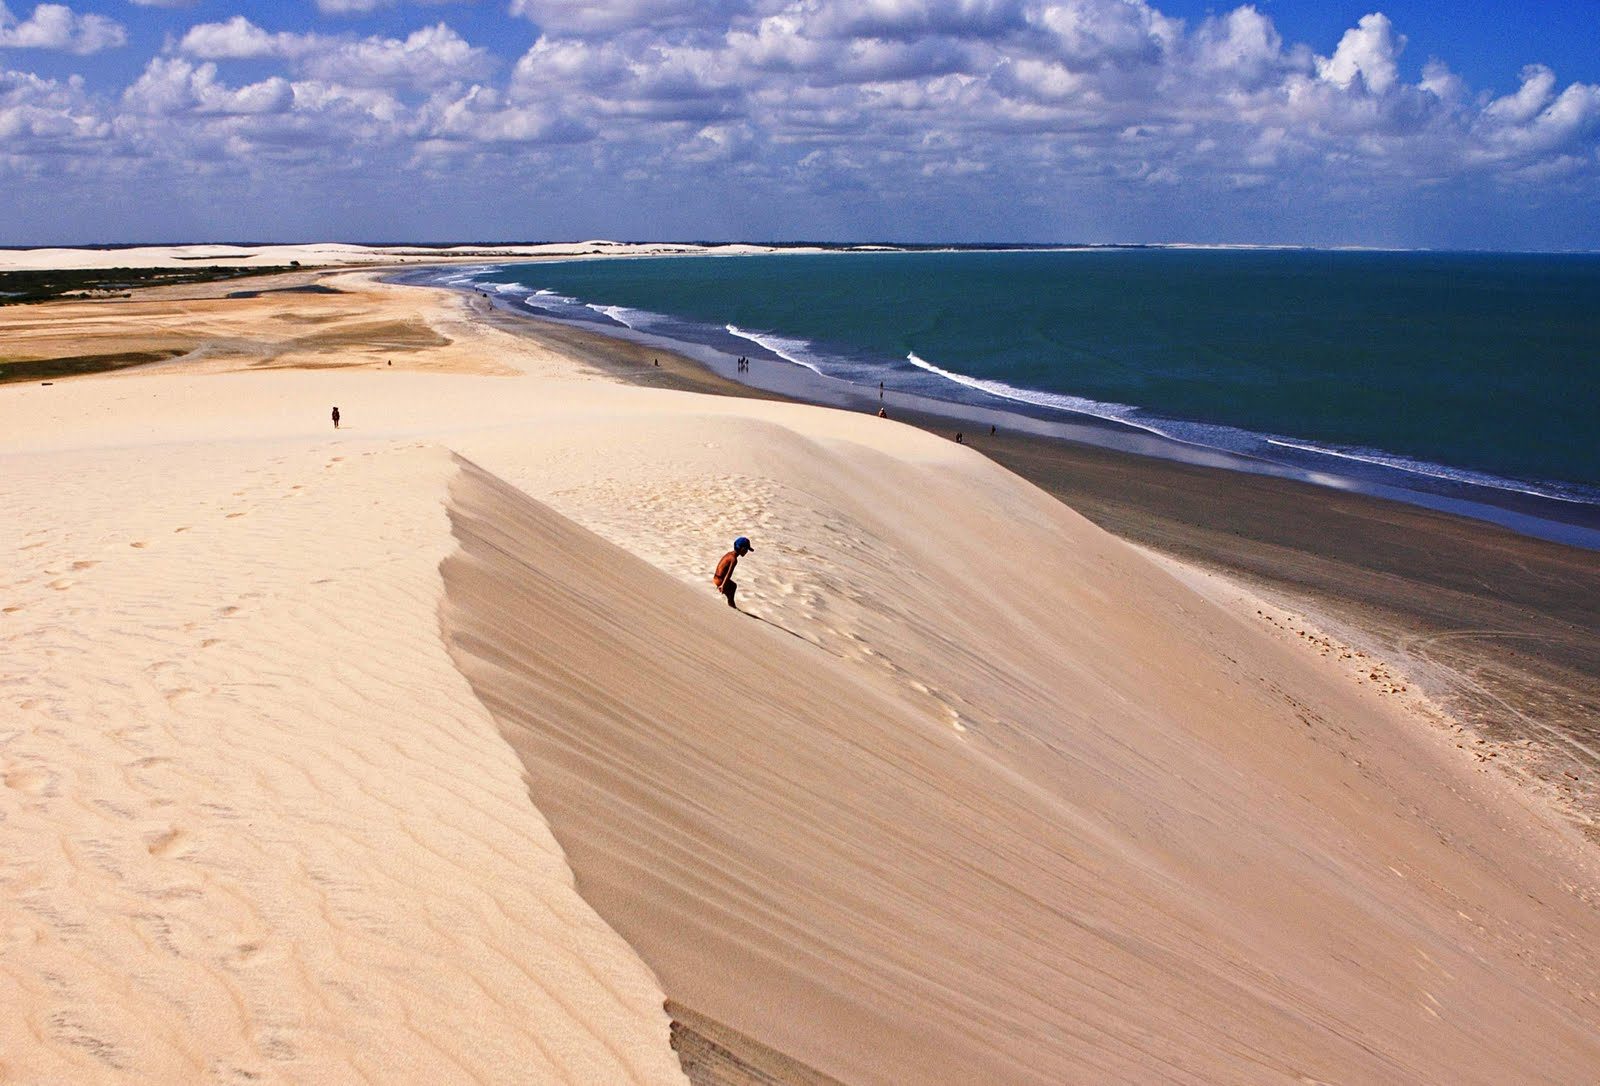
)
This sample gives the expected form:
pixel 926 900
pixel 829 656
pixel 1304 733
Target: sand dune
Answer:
pixel 331 254
pixel 423 751
pixel 256 827
pixel 1027 811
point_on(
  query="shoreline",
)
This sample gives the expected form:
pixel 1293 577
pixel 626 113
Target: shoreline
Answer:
pixel 1500 629
pixel 420 746
pixel 1552 508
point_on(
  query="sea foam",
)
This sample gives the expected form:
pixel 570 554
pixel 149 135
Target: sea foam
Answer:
pixel 621 314
pixel 1432 471
pixel 790 350
pixel 1112 412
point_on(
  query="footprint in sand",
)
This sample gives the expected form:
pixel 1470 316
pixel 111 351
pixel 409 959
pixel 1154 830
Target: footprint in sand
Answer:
pixel 228 611
pixel 185 528
pixel 31 782
pixel 238 514
pixel 208 642
pixel 167 843
pixel 84 564
pixel 138 544
pixel 31 547
pixel 61 584
pixel 10 610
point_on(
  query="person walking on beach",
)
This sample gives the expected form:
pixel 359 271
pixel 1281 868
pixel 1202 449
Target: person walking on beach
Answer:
pixel 335 418
pixel 723 577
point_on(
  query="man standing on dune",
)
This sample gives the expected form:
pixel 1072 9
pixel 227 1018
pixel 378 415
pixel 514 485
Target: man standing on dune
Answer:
pixel 723 577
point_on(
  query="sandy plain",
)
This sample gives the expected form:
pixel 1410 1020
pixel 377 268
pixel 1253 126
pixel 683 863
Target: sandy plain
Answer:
pixel 423 751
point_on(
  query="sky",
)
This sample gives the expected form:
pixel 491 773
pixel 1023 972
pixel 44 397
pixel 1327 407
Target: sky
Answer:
pixel 1402 123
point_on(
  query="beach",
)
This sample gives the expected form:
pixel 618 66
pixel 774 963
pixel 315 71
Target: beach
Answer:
pixel 422 749
pixel 1502 631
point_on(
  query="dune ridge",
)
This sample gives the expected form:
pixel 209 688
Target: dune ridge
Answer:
pixel 1186 883
pixel 422 750
pixel 255 827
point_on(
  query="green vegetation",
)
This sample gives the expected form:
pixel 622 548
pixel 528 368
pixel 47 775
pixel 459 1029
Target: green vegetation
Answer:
pixel 41 286
pixel 44 369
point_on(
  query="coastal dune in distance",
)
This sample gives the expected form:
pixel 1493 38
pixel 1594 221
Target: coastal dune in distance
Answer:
pixel 422 750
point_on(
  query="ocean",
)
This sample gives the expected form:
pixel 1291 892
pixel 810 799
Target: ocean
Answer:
pixel 1465 376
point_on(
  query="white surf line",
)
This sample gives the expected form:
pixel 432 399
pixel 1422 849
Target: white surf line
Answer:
pixel 782 346
pixel 1484 481
pixel 1055 401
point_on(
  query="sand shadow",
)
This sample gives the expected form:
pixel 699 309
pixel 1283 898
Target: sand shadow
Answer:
pixel 798 637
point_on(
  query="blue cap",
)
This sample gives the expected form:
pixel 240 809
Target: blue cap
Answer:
pixel 742 541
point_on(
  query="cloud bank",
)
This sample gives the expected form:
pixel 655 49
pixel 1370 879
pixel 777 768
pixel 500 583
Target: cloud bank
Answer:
pixel 1095 119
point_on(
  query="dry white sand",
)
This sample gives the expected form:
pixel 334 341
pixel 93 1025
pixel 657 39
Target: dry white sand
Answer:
pixel 294 720
pixel 333 254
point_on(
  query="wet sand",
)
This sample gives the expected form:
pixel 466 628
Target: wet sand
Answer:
pixel 1501 630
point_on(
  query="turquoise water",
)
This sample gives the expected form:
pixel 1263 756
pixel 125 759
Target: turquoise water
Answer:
pixel 1483 368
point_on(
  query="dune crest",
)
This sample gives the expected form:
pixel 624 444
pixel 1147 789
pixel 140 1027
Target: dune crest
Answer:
pixel 327 755
pixel 1085 827
pixel 255 827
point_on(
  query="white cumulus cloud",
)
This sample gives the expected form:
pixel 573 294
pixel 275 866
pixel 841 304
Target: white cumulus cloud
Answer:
pixel 57 27
pixel 173 85
pixel 845 104
pixel 428 57
pixel 1369 51
pixel 45 115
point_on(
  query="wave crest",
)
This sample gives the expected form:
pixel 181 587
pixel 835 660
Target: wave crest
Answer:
pixel 1112 412
pixel 790 350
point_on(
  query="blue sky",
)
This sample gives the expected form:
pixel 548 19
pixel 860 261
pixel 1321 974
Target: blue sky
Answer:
pixel 1408 123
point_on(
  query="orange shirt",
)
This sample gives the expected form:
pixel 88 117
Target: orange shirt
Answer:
pixel 725 568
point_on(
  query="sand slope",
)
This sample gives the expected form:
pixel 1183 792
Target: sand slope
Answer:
pixel 423 751
pixel 1029 810
pixel 254 826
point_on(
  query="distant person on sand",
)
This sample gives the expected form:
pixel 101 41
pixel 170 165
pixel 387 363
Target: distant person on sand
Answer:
pixel 991 431
pixel 335 418
pixel 883 412
pixel 723 577
pixel 959 439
